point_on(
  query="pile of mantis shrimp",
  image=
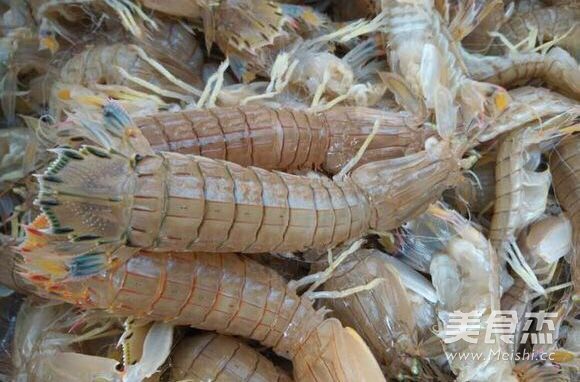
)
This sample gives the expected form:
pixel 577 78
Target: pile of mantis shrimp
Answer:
pixel 287 190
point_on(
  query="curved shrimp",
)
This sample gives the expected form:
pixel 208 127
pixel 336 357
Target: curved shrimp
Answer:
pixel 522 190
pixel 557 69
pixel 516 181
pixel 229 294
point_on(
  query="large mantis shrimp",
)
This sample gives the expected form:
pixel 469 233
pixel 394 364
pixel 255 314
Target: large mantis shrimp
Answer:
pixel 516 181
pixel 103 199
pixel 521 187
pixel 283 138
pixel 223 292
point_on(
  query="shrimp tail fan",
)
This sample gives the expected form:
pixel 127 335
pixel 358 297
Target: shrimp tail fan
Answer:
pixel 84 197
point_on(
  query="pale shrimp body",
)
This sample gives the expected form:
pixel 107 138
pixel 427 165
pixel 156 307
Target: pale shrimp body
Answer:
pixel 411 26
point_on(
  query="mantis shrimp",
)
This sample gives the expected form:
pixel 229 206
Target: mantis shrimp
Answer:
pixel 466 276
pixel 215 357
pixel 175 202
pixel 250 32
pixel 284 139
pixel 516 181
pixel 227 293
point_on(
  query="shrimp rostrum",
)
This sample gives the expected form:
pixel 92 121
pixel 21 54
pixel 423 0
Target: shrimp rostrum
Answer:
pixel 100 200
